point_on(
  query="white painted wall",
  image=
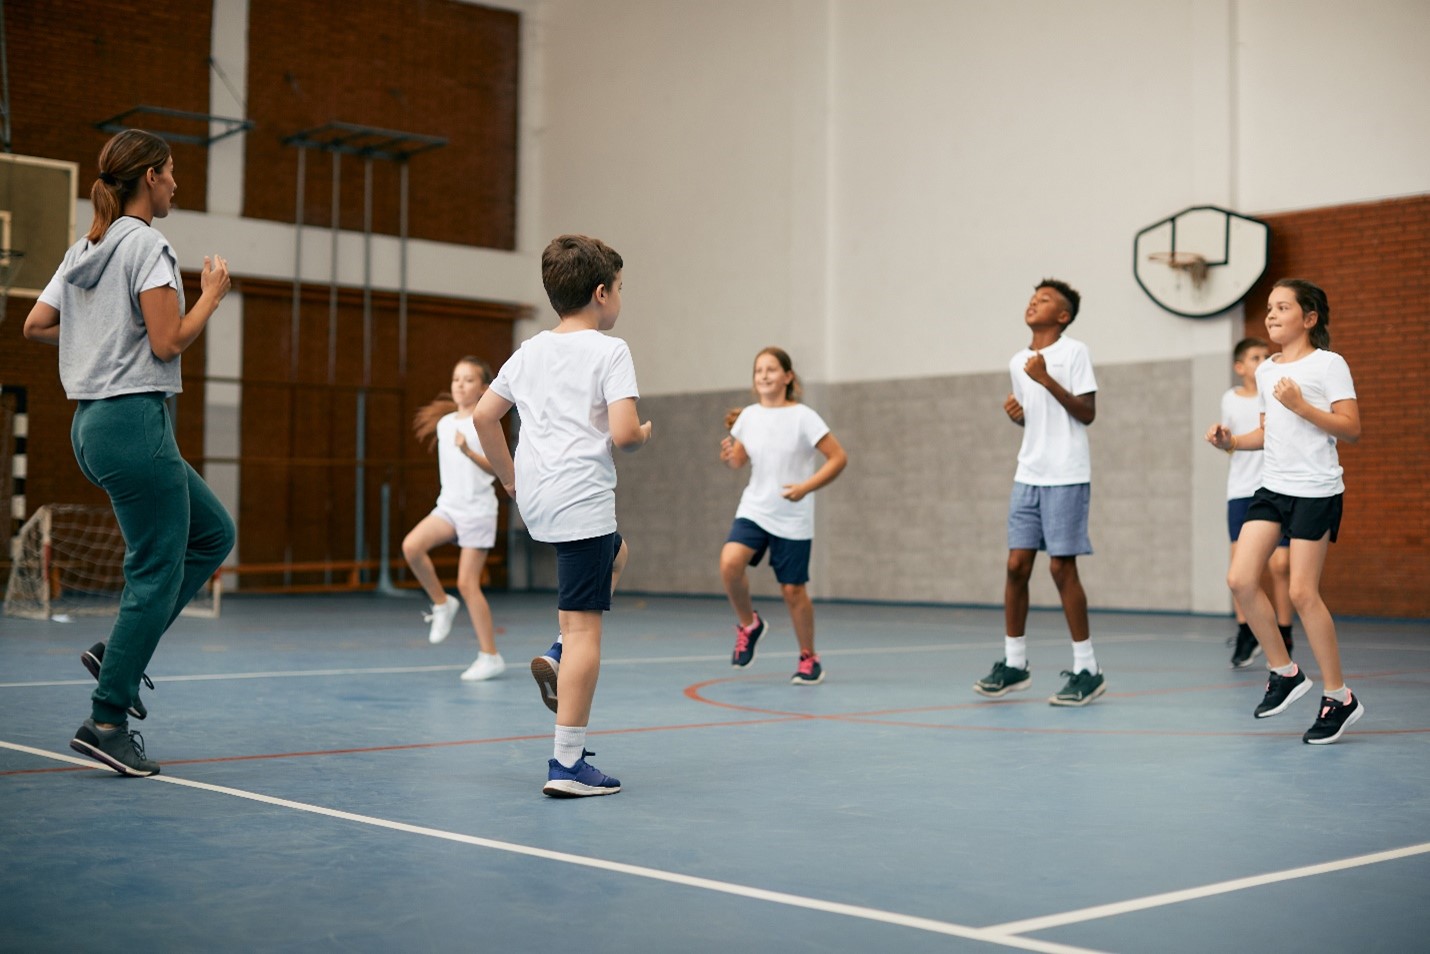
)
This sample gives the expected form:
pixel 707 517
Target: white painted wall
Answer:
pixel 878 185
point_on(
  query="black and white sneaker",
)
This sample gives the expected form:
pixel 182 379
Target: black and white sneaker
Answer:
pixel 1334 719
pixel 1281 691
pixel 118 748
pixel 93 659
pixel 1247 649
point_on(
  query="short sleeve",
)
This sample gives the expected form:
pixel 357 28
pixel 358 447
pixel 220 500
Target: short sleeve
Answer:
pixel 1339 386
pixel 1080 373
pixel 501 384
pixel 52 295
pixel 812 426
pixel 161 275
pixel 620 379
pixel 737 430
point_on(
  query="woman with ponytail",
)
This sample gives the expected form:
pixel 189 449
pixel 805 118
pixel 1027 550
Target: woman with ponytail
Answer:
pixel 116 310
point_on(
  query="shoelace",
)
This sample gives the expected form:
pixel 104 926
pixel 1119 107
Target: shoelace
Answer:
pixel 742 639
pixel 147 681
pixel 806 665
pixel 137 741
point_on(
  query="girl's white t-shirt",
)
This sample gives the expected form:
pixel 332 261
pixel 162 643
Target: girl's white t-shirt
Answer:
pixel 1241 414
pixel 465 486
pixel 1300 458
pixel 780 442
pixel 562 386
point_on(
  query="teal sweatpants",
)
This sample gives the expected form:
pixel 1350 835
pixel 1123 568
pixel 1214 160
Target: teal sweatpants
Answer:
pixel 176 533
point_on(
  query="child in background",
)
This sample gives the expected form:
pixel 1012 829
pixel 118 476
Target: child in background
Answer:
pixel 1241 412
pixel 1053 400
pixel 1308 406
pixel 466 513
pixel 575 389
pixel 779 438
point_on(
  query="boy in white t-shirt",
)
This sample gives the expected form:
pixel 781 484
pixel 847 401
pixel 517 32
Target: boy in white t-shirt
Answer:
pixel 1241 412
pixel 1054 401
pixel 575 390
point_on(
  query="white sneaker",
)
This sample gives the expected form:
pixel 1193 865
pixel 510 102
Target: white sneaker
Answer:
pixel 441 619
pixel 486 667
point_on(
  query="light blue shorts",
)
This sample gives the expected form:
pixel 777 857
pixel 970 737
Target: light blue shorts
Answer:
pixel 1050 518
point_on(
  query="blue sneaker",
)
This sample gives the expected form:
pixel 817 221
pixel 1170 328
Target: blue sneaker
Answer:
pixel 543 670
pixel 746 638
pixel 578 781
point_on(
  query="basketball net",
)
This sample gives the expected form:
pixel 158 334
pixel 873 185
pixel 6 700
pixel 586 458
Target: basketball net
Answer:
pixel 1191 264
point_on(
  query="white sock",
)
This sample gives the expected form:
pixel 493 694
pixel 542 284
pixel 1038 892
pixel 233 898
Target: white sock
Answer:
pixel 1341 695
pixel 570 744
pixel 1287 670
pixel 1083 658
pixel 1015 651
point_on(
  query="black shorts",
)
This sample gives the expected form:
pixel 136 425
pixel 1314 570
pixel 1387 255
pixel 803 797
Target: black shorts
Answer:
pixel 788 558
pixel 1300 518
pixel 1236 516
pixel 583 573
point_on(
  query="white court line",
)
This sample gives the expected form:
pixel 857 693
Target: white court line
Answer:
pixel 1205 891
pixel 1003 939
pixel 400 670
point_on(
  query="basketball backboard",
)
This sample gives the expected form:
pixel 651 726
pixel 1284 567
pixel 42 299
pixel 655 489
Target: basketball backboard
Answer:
pixel 1201 261
pixel 37 220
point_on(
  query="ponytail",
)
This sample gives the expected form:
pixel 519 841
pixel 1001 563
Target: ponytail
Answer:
pixel 122 164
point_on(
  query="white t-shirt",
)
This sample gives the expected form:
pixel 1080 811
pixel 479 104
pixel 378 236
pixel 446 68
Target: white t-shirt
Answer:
pixel 465 486
pixel 160 275
pixel 1300 458
pixel 780 442
pixel 1240 414
pixel 1055 449
pixel 562 386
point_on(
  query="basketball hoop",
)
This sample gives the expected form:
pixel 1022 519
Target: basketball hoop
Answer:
pixel 1192 264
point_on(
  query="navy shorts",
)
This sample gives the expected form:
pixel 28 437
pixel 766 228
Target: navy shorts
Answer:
pixel 1050 518
pixel 1236 516
pixel 788 558
pixel 583 573
pixel 1301 518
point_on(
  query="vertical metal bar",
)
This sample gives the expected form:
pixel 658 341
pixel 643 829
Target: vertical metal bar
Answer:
pixel 294 329
pixel 360 444
pixel 332 345
pixel 402 275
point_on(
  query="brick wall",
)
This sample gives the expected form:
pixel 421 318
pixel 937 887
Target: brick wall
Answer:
pixel 1373 260
pixel 437 68
pixel 73 63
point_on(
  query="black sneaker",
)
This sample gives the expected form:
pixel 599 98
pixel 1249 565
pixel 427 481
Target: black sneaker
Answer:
pixel 1334 719
pixel 117 748
pixel 1247 648
pixel 93 658
pixel 1281 691
pixel 746 639
pixel 1003 680
pixel 1082 687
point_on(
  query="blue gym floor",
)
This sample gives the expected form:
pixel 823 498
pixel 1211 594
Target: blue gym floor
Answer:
pixel 329 784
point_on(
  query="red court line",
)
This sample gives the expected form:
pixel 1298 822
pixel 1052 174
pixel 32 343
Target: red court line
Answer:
pixel 407 746
pixel 695 693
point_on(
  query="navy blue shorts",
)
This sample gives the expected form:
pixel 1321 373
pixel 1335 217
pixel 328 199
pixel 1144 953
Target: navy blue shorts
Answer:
pixel 788 558
pixel 583 573
pixel 1301 518
pixel 1236 516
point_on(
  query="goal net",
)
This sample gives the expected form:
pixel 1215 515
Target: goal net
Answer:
pixel 68 560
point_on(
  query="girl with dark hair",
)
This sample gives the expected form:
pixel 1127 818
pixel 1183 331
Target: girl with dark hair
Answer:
pixel 465 514
pixel 1308 406
pixel 116 310
pixel 780 439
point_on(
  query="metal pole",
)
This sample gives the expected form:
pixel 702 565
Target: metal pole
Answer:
pixel 294 329
pixel 384 572
pixel 333 335
pixel 360 443
pixel 402 275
